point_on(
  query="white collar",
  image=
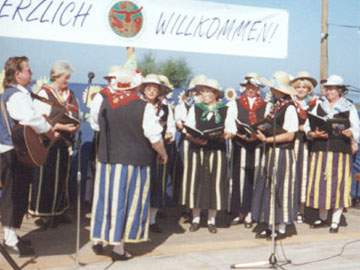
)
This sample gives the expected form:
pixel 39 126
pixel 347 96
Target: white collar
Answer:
pixel 22 89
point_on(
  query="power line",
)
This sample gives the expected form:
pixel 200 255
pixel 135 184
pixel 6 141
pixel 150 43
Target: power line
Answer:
pixel 345 25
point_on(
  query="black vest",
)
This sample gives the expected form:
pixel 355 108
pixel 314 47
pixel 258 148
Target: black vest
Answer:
pixel 243 116
pixel 334 144
pixel 204 125
pixel 121 138
pixel 279 122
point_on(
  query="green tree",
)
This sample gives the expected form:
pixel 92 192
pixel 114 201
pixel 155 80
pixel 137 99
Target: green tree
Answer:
pixel 177 71
pixel 148 65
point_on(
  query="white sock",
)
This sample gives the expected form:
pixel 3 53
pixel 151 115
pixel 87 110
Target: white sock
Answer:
pixel 10 236
pixel 211 216
pixel 323 214
pixel 248 218
pixel 196 215
pixel 282 228
pixel 336 216
pixel 153 212
pixel 119 249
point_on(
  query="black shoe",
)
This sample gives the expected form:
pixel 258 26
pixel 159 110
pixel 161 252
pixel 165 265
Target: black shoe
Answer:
pixel 20 249
pixel 334 230
pixel 194 227
pixel 63 219
pixel 24 241
pixel 40 222
pixel 236 221
pixel 212 228
pixel 98 249
pixel 120 257
pixel 319 223
pixel 263 234
pixel 155 228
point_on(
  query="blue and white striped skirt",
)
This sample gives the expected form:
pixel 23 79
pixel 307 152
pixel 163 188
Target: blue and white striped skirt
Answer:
pixel 121 203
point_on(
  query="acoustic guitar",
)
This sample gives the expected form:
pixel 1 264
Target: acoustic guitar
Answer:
pixel 32 148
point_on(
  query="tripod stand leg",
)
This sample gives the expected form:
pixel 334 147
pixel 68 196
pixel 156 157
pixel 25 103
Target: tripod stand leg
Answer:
pixel 8 258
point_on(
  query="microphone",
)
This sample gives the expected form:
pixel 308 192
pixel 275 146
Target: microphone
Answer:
pixel 91 76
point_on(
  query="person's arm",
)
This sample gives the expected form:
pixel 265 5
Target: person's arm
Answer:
pixel 180 115
pixel 170 126
pixel 21 108
pixel 95 106
pixel 230 120
pixel 191 122
pixel 41 107
pixel 353 131
pixel 152 131
pixel 291 126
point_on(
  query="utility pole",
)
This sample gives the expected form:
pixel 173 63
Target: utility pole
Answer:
pixel 324 60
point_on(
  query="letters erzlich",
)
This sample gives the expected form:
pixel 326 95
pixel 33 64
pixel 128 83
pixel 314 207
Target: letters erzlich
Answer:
pixel 61 12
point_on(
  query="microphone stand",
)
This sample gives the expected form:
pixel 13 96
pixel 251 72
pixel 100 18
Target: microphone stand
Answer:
pixel 8 258
pixel 78 142
pixel 272 262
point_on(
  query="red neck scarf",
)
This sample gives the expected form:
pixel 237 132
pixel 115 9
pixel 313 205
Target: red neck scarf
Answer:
pixel 303 112
pixel 119 98
pixel 278 106
pixel 258 104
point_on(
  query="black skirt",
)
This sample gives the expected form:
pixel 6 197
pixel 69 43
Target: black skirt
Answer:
pixel 279 166
pixel 49 192
pixel 207 186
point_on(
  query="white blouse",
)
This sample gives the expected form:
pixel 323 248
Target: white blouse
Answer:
pixel 151 126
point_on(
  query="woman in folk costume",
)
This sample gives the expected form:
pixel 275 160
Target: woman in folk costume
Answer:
pixel 248 109
pixel 129 131
pixel 303 84
pixel 154 89
pixel 277 165
pixel 49 195
pixel 186 101
pixel 330 159
pixel 208 185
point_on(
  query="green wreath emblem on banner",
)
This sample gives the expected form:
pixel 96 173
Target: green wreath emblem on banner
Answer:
pixel 126 19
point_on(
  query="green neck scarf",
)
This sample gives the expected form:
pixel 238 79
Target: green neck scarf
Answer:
pixel 208 111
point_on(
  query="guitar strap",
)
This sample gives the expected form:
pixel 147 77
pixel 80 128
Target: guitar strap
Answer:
pixel 45 100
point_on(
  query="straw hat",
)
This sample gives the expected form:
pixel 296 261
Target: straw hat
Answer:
pixel 252 78
pixel 212 84
pixel 209 83
pixel 156 80
pixel 195 81
pixel 165 81
pixel 335 80
pixel 123 79
pixel 282 77
pixel 304 75
pixel 281 83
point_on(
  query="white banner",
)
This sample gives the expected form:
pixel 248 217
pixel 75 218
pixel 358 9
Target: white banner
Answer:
pixel 192 26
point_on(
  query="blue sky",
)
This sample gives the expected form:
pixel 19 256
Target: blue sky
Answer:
pixel 303 54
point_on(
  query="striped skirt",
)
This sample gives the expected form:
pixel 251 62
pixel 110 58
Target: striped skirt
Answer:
pixel 186 154
pixel 329 180
pixel 266 208
pixel 301 171
pixel 121 203
pixel 49 191
pixel 246 163
pixel 162 180
pixel 208 186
